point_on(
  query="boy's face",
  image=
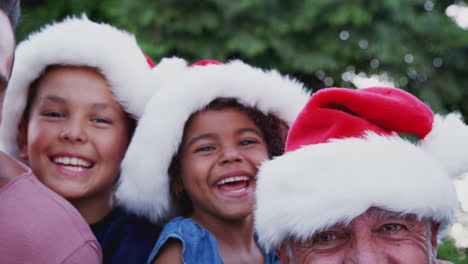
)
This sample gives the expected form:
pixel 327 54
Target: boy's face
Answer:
pixel 76 134
pixel 7 47
pixel 220 155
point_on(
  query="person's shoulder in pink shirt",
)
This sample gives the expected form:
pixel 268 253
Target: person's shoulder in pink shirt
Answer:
pixel 39 226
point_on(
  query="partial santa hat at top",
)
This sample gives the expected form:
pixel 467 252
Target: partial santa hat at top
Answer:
pixel 144 182
pixel 78 41
pixel 344 156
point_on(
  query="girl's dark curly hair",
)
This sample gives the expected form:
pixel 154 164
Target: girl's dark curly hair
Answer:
pixel 274 132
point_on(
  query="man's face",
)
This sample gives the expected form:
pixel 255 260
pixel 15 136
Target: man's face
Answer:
pixel 7 47
pixel 377 236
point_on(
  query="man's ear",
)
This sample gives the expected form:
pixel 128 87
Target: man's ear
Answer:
pixel 283 255
pixel 22 139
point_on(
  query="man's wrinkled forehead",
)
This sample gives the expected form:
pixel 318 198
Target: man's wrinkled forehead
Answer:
pixel 382 214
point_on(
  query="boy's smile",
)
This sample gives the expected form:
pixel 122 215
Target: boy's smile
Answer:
pixel 70 163
pixel 76 133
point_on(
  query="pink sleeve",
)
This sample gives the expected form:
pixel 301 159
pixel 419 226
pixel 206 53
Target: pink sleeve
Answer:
pixel 88 253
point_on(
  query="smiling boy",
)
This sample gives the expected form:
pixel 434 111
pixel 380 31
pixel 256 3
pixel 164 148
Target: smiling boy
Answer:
pixel 75 93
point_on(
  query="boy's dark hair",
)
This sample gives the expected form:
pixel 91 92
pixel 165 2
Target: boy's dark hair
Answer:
pixel 12 9
pixel 33 87
pixel 274 133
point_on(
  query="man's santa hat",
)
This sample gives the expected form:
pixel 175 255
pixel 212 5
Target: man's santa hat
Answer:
pixel 144 181
pixel 77 42
pixel 344 156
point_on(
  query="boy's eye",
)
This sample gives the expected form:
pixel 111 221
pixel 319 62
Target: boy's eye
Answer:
pixel 53 114
pixel 101 120
pixel 205 149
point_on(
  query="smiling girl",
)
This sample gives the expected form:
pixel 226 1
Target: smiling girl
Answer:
pixel 75 91
pixel 195 155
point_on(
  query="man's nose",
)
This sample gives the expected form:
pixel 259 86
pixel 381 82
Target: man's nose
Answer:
pixel 364 251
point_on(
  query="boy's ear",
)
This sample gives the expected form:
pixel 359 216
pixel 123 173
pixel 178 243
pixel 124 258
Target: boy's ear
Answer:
pixel 22 139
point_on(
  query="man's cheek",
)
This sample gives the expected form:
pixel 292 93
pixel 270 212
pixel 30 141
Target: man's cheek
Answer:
pixel 2 96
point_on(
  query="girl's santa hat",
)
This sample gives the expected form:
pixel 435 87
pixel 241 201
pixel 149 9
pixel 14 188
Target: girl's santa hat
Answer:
pixel 144 181
pixel 76 42
pixel 344 156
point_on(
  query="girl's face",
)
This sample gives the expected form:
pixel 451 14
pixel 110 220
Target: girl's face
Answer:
pixel 76 134
pixel 220 155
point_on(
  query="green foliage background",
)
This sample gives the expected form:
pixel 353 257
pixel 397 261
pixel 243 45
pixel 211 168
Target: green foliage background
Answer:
pixel 299 37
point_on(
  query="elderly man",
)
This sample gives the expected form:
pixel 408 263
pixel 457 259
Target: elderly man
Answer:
pixel 349 189
pixel 36 225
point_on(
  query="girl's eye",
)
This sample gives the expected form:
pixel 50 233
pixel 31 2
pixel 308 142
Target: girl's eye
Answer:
pixel 245 142
pixel 101 120
pixel 53 114
pixel 205 149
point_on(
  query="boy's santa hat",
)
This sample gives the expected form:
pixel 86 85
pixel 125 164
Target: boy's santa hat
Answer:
pixel 76 42
pixel 344 156
pixel 144 181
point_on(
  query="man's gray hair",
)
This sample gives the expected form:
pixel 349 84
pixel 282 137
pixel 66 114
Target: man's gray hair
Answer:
pixel 12 9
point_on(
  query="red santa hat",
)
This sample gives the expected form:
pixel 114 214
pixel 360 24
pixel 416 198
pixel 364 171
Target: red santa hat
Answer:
pixel 144 181
pixel 77 42
pixel 344 156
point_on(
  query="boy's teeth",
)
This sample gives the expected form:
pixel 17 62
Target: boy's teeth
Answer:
pixel 72 168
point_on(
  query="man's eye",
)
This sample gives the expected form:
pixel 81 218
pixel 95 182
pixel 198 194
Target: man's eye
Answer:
pixel 393 227
pixel 324 237
pixel 53 114
pixel 326 241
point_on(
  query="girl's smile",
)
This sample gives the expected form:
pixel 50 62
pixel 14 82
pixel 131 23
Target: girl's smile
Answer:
pixel 220 153
pixel 236 184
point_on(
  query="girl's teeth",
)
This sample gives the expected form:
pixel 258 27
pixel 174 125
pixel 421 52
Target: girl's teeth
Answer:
pixel 240 190
pixel 233 179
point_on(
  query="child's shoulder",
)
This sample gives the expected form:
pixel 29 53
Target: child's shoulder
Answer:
pixel 198 244
pixel 181 227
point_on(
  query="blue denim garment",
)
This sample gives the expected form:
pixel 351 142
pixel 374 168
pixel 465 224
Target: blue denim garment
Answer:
pixel 199 246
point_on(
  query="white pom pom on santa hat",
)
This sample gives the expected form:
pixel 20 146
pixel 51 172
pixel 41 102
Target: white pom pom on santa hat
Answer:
pixel 448 143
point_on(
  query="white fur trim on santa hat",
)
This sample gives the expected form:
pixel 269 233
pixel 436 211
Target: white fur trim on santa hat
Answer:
pixel 448 142
pixel 76 42
pixel 144 181
pixel 317 186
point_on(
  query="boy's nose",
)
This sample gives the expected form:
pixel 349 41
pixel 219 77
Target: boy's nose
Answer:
pixel 74 131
